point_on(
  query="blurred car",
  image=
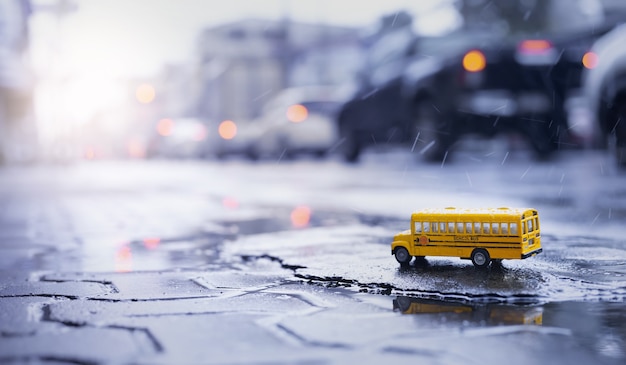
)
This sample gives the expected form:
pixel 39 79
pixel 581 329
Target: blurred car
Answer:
pixel 479 81
pixel 298 120
pixel 605 89
pixel 230 138
pixel 177 138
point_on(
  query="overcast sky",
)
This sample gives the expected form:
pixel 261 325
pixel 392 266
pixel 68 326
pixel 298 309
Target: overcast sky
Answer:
pixel 135 37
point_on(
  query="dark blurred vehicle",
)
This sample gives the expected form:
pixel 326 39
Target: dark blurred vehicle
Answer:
pixel 491 77
pixel 298 120
pixel 605 89
pixel 378 111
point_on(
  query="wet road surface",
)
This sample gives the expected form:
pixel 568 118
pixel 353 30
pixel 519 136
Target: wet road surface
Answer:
pixel 289 262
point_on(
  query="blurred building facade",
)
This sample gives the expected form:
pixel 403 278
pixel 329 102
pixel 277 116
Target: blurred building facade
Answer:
pixel 241 65
pixel 17 124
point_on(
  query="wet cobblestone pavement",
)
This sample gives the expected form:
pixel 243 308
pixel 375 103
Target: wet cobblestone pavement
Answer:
pixel 205 262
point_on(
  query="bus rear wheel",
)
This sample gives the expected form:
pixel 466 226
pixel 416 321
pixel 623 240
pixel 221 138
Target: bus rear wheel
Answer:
pixel 480 258
pixel 402 255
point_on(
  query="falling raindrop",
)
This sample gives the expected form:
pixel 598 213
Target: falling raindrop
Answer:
pixel 595 219
pixel 337 144
pixel 370 93
pixel 394 19
pixel 262 94
pixel 428 146
pixel 281 155
pixel 415 142
pixel 506 155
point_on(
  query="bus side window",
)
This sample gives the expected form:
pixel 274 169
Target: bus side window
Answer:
pixel 505 228
pixel 442 227
pixel 468 227
pixel 514 228
pixel 459 227
pixel 530 225
pixel 524 227
pixel 418 227
pixel 494 228
pixel 476 228
pixel 426 227
pixel 434 227
pixel 450 227
pixel 486 228
pixel 536 223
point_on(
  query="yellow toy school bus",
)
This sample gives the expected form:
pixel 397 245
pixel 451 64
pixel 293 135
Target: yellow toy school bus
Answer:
pixel 480 235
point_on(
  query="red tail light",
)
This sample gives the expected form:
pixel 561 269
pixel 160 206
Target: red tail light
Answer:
pixel 534 46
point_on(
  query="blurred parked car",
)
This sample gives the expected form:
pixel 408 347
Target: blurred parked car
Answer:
pixel 477 80
pixel 231 138
pixel 177 138
pixel 605 89
pixel 298 120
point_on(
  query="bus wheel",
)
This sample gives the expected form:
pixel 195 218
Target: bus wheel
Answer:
pixel 480 258
pixel 402 255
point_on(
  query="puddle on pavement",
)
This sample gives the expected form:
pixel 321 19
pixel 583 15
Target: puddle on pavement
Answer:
pixel 598 326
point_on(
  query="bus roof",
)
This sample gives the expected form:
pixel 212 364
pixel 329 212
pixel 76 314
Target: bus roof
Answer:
pixel 460 214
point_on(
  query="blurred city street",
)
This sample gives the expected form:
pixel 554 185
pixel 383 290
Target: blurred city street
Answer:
pixel 288 261
pixel 275 182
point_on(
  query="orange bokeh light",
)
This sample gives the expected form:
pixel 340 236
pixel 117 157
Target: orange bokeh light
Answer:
pixel 151 242
pixel 297 113
pixel 90 153
pixel 590 60
pixel 200 134
pixel 301 216
pixel 474 61
pixel 136 148
pixel 230 203
pixel 227 129
pixel 165 127
pixel 145 93
pixel 124 259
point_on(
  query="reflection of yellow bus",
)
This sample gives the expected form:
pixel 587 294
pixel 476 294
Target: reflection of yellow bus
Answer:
pixel 481 235
pixel 492 314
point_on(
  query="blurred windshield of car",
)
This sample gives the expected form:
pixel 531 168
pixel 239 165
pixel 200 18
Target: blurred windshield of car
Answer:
pixel 532 17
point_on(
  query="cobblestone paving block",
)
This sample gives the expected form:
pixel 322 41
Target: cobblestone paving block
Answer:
pixel 222 338
pixel 514 345
pixel 22 315
pixel 141 285
pixel 57 289
pixel 79 345
pixel 79 312
pixel 339 327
